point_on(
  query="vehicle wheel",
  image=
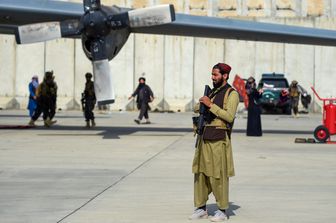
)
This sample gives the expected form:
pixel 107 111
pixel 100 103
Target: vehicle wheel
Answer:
pixel 321 133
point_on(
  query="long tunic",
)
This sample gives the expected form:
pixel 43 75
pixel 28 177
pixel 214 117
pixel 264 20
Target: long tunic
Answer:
pixel 32 102
pixel 214 158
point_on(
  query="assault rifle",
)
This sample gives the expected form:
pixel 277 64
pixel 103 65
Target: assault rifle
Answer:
pixel 200 120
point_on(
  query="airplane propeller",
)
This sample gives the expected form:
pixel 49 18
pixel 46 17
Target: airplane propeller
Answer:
pixel 94 26
pixel 91 5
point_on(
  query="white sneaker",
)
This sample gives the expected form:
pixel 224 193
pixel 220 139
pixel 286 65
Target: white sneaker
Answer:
pixel 198 214
pixel 219 216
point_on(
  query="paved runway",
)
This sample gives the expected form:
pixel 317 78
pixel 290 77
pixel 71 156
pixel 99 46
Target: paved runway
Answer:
pixel 121 172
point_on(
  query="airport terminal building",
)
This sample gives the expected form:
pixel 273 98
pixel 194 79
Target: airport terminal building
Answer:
pixel 175 67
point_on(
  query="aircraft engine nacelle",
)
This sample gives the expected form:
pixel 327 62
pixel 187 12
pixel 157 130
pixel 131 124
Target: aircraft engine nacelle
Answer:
pixel 115 40
pixel 96 26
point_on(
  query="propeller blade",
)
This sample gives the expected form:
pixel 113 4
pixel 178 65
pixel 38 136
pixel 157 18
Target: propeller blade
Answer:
pixel 90 5
pixel 151 16
pixel 103 82
pixel 40 32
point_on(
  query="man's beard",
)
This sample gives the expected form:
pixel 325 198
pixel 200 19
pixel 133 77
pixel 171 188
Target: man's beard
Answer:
pixel 141 85
pixel 218 84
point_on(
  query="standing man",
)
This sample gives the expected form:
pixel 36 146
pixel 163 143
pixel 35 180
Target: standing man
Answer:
pixel 32 104
pixel 294 94
pixel 144 96
pixel 89 101
pixel 46 100
pixel 213 160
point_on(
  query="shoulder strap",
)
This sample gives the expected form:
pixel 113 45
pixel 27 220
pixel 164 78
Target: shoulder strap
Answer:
pixel 227 124
pixel 227 93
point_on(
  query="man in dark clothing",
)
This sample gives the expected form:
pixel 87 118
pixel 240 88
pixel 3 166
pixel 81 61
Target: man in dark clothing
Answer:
pixel 46 100
pixel 254 110
pixel 89 101
pixel 53 96
pixel 144 96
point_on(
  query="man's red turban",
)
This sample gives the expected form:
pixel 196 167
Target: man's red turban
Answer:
pixel 223 68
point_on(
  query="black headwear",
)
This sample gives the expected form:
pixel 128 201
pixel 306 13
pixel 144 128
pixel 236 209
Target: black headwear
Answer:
pixel 88 75
pixel 48 74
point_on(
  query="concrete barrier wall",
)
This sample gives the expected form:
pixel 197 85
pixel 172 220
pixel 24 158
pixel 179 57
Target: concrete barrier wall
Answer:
pixel 178 73
pixel 177 68
pixel 28 61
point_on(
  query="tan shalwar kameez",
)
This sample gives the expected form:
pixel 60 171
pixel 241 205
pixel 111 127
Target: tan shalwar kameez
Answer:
pixel 213 160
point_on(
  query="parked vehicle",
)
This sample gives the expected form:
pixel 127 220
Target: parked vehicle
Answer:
pixel 273 85
pixel 276 93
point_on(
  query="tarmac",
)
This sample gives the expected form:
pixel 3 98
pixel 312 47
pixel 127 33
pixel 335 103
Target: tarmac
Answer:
pixel 121 172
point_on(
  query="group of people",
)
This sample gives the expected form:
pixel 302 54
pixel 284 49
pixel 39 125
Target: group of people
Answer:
pixel 43 96
pixel 42 99
pixel 288 98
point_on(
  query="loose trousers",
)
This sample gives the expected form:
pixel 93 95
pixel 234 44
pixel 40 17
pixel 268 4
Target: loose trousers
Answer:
pixel 295 104
pixel 88 111
pixel 204 185
pixel 144 107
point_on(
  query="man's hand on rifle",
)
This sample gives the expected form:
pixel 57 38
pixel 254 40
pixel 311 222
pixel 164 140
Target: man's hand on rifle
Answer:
pixel 206 101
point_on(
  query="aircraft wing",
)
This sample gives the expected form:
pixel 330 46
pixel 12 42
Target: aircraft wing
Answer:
pixel 14 13
pixel 20 12
pixel 223 28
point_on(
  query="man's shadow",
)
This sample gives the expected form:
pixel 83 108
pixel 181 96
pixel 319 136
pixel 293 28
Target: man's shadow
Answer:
pixel 211 208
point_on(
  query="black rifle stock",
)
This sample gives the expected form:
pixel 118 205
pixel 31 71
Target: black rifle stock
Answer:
pixel 202 113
